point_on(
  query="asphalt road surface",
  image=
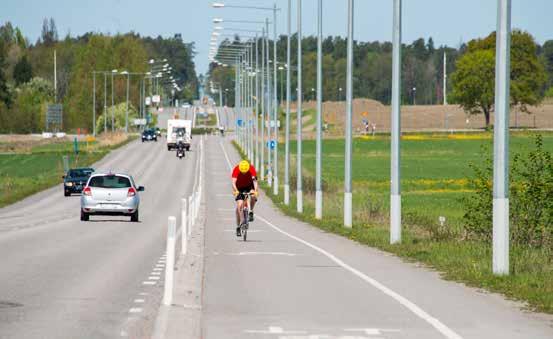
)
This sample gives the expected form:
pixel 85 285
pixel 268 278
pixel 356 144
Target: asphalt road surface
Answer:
pixel 293 281
pixel 63 278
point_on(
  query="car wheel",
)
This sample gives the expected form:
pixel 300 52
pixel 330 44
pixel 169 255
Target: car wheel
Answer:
pixel 84 216
pixel 134 216
pixel 142 140
pixel 66 193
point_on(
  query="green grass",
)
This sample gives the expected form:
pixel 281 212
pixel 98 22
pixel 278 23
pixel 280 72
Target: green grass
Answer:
pixel 434 182
pixel 26 172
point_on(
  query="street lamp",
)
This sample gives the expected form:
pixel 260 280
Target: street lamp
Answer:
pixel 113 71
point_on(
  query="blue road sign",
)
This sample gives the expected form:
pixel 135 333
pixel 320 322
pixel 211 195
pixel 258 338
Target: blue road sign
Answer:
pixel 239 122
pixel 271 144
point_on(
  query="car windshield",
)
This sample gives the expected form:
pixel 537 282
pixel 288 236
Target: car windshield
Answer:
pixel 180 131
pixel 78 173
pixel 110 181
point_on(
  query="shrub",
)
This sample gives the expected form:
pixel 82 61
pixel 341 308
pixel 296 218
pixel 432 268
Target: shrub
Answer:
pixel 531 206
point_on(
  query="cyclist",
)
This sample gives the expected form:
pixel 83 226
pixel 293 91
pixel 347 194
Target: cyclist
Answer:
pixel 244 180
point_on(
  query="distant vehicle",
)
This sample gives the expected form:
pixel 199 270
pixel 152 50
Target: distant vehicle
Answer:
pixel 149 135
pixel 110 194
pixel 179 129
pixel 75 179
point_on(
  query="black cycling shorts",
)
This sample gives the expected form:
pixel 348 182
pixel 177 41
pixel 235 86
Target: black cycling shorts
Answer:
pixel 242 190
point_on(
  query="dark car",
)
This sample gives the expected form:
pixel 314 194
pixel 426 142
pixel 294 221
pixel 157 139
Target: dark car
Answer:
pixel 149 135
pixel 75 179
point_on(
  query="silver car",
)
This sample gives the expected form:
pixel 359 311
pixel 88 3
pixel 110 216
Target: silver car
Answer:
pixel 110 194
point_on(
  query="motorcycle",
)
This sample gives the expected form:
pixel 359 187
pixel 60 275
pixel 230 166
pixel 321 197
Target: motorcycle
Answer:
pixel 180 151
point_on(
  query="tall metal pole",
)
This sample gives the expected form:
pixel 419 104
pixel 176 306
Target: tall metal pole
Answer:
pixel 288 97
pixel 55 78
pixel 275 101
pixel 318 165
pixel 94 103
pixel 501 141
pixel 127 110
pixel 299 189
pixel 349 97
pixel 112 103
pixel 395 194
pixel 251 109
pixel 263 146
pixel 445 79
pixel 269 106
pixel 256 116
pixel 105 102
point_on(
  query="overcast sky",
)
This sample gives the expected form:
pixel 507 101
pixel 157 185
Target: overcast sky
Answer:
pixel 448 21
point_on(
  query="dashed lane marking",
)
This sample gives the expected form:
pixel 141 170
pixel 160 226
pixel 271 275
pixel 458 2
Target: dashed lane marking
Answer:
pixel 135 310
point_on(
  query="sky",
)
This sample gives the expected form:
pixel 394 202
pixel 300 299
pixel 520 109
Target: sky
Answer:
pixel 448 22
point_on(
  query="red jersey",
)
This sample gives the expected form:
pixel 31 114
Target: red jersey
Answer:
pixel 244 180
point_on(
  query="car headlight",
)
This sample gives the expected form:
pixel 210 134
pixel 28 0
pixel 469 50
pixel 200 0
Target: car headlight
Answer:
pixel 68 184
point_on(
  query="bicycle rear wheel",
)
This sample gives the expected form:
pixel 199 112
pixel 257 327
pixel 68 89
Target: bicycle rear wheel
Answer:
pixel 245 224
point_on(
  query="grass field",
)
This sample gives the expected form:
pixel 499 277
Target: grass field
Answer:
pixel 28 168
pixel 435 171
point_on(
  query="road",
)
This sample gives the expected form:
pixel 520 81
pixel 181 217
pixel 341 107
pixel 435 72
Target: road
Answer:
pixel 63 278
pixel 293 281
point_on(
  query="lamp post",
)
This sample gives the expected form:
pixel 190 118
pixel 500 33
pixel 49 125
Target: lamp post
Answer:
pixel 349 95
pixel 112 101
pixel 501 141
pixel 287 133
pixel 318 161
pixel 395 188
pixel 299 189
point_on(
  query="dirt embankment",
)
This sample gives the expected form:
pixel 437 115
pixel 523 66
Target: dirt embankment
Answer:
pixel 424 117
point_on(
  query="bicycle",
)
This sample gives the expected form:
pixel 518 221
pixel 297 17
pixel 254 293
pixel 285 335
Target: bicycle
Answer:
pixel 246 215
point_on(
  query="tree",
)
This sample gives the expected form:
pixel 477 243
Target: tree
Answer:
pixel 23 71
pixel 547 52
pixel 49 34
pixel 4 93
pixel 474 78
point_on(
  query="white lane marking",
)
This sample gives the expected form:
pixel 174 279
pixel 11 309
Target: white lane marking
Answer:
pixel 124 334
pixel 143 293
pixel 153 278
pixel 135 310
pixel 156 273
pixel 274 330
pixel 258 253
pixel 437 324
pixel 148 283
pixel 160 266
pixel 139 301
pixel 158 269
pixel 226 156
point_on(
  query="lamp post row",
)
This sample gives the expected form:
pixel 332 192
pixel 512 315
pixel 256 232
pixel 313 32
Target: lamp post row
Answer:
pixel 501 135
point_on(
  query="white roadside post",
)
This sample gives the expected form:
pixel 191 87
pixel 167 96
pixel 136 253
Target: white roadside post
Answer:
pixel 170 262
pixel 501 141
pixel 395 194
pixel 183 226
pixel 190 215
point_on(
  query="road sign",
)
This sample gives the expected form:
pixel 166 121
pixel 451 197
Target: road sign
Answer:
pixel 271 123
pixel 271 144
pixel 239 122
pixel 139 122
pixel 148 101
pixel 156 99
pixel 54 115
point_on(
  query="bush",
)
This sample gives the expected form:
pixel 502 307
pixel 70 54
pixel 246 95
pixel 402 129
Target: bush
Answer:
pixel 531 206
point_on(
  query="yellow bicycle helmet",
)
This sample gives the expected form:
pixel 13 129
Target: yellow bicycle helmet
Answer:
pixel 244 166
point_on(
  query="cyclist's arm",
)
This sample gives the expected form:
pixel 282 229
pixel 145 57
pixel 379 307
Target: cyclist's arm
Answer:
pixel 255 184
pixel 234 188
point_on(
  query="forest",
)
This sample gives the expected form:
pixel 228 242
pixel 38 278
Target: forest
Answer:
pixel 422 68
pixel 27 74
